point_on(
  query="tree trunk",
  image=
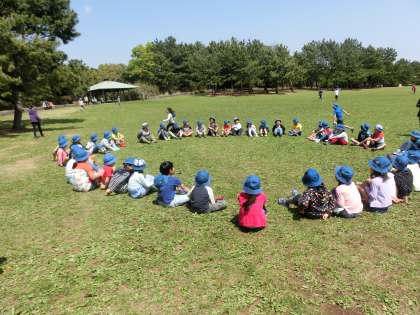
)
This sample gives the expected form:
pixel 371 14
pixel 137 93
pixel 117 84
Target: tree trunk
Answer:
pixel 17 119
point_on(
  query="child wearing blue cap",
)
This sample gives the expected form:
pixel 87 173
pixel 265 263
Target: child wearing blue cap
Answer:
pixel 252 205
pixel 213 129
pixel 139 185
pixel 54 152
pixel 403 178
pixel 379 191
pixel 118 137
pixel 93 147
pixel 413 165
pixel 251 130
pixel 278 129
pixel 145 134
pixel 339 136
pixel 377 141
pixel 77 175
pixel 177 131
pixel 316 134
pixel 338 116
pixel 316 202
pixel 162 133
pixel 119 181
pixel 263 128
pixel 171 192
pixel 187 130
pixel 348 200
pixel 107 143
pixel 200 129
pixel 201 195
pixel 227 128
pixel 82 163
pixel 108 169
pixel 364 134
pixel 62 154
pixel 236 127
pixel 413 143
pixel 296 129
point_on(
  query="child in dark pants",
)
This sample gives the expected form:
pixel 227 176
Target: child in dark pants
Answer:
pixel 403 179
pixel 35 121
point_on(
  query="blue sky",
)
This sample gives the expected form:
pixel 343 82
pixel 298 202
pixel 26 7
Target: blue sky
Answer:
pixel 110 29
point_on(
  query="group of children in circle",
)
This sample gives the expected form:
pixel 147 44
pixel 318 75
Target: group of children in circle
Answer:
pixel 392 179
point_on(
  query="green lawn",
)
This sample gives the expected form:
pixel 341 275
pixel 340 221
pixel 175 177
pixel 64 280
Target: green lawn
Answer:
pixel 64 252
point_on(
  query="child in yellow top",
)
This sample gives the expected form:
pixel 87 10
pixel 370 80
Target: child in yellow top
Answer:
pixel 296 128
pixel 118 137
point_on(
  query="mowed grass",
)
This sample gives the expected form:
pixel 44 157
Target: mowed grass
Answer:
pixel 64 252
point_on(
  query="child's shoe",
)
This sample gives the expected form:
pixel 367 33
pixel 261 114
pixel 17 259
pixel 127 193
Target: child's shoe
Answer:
pixel 283 202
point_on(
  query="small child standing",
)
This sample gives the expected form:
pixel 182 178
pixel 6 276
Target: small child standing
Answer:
pixel 339 136
pixel 403 179
pixel 119 181
pixel 236 127
pixel 171 192
pixel 139 185
pixel 263 128
pixel 187 131
pixel 348 199
pixel 252 205
pixel 251 130
pixel 200 130
pixel 109 169
pixel 278 129
pixel 213 129
pixel 227 128
pixel 62 156
pixel 296 128
pixel 201 195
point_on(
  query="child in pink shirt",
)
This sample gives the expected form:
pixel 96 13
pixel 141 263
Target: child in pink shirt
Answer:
pixel 252 201
pixel 348 199
pixel 61 154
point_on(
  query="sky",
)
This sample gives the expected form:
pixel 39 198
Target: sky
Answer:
pixel 110 29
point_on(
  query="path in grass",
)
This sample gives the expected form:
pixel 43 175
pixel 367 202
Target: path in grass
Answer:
pixel 66 252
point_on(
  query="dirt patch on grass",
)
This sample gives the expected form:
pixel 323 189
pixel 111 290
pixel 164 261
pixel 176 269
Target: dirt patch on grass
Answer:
pixel 333 309
pixel 20 167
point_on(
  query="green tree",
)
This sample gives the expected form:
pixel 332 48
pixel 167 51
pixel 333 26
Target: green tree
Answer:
pixel 111 72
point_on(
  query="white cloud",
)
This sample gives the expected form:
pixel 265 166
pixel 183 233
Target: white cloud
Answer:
pixel 87 9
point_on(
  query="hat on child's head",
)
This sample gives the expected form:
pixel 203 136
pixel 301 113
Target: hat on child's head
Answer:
pixel 344 174
pixel 365 127
pixel 75 138
pixel 415 134
pixel 400 162
pixel 226 122
pixel 340 127
pixel 160 180
pixel 145 124
pixel 129 161
pixel 249 122
pixel 295 120
pixel 109 159
pixel 139 165
pixel 202 178
pixel 212 117
pixel 162 125
pixel 379 127
pixel 94 137
pixel 199 122
pixel 114 129
pixel 264 121
pixel 380 164
pixel 185 121
pixel 311 178
pixel 80 155
pixel 413 156
pixel 62 142
pixel 235 118
pixel 252 185
pixel 324 124
pixel 107 135
pixel 61 137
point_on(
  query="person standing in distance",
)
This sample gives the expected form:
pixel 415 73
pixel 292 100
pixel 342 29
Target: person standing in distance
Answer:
pixel 35 120
pixel 320 93
pixel 336 93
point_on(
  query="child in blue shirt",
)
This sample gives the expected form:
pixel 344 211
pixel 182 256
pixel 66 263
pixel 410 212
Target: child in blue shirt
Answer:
pixel 338 115
pixel 171 192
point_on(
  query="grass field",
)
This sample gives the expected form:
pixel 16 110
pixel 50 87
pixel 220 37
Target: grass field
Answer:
pixel 63 252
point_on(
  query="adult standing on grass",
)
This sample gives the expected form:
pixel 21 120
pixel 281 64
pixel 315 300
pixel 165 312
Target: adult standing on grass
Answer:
pixel 320 93
pixel 119 100
pixel 35 120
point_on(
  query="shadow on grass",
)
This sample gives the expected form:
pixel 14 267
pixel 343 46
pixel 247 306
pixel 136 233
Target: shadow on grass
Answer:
pixel 7 131
pixel 235 220
pixel 3 260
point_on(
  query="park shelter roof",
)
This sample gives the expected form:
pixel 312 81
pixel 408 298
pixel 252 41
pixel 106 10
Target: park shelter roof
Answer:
pixel 111 85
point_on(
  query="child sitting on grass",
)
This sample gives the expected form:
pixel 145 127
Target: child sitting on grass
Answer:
pixel 162 133
pixel 251 130
pixel 177 131
pixel 227 128
pixel 413 143
pixel 107 143
pixel 296 128
pixel 252 205
pixel 316 202
pixel 348 200
pixel 118 137
pixel 75 143
pixel 236 127
pixel 54 152
pixel 93 147
pixel 62 155
pixel 201 195
pixel 171 192
pixel 403 178
pixel 109 169
pixel 413 165
pixel 364 134
pixel 377 141
pixel 200 130
pixel 316 133
pixel 278 129
pixel 82 163
pixel 187 131
pixel 213 129
pixel 119 181
pixel 145 134
pixel 339 136
pixel 263 128
pixel 139 185
pixel 377 191
pixel 78 178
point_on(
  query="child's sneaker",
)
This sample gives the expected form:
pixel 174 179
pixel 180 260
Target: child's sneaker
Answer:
pixel 283 202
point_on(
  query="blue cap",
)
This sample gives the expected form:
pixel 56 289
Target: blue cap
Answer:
pixel 94 137
pixel 264 121
pixel 175 125
pixel 199 122
pixel 139 165
pixel 109 159
pixel 365 127
pixel 295 120
pixel 80 154
pixel 400 162
pixel 107 135
pixel 415 134
pixel 160 180
pixel 61 137
pixel 249 121
pixel 162 125
pixel 311 178
pixel 202 178
pixel 413 156
pixel 129 161
pixel 62 142
pixel 344 174
pixel 252 185
pixel 324 124
pixel 114 129
pixel 226 122
pixel 75 138
pixel 380 164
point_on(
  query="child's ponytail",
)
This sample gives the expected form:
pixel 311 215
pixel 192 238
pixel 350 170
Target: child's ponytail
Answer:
pixel 249 202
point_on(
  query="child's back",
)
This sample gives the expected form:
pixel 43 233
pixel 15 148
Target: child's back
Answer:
pixel 253 216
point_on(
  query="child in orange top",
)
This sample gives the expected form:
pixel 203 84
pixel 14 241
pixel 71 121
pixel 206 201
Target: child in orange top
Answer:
pixel 82 162
pixel 109 169
pixel 227 128
pixel 376 141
